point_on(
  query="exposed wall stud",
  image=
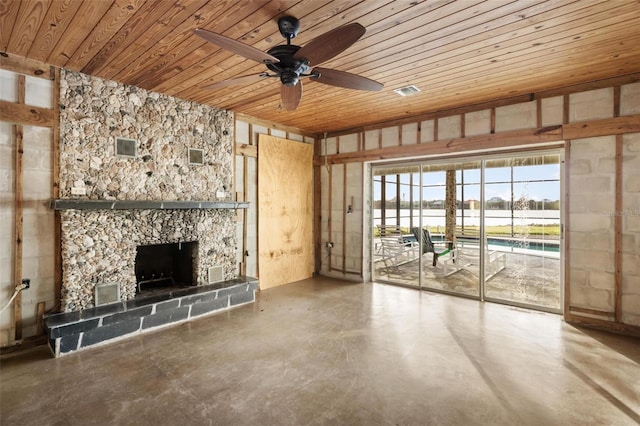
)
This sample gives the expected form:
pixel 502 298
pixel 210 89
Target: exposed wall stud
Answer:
pixel 493 121
pixel 19 212
pixel 55 165
pixel 618 231
pixel 344 217
pixel 435 129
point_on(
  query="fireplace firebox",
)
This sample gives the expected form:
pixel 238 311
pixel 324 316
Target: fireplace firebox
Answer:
pixel 161 267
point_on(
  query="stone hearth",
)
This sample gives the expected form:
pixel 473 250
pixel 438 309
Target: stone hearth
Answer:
pixel 72 331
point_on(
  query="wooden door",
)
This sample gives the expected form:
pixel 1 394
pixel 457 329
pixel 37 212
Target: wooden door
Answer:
pixel 285 211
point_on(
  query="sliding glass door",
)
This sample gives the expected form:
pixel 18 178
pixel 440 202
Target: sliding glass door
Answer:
pixel 481 228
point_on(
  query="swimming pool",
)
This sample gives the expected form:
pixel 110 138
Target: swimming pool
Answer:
pixel 552 246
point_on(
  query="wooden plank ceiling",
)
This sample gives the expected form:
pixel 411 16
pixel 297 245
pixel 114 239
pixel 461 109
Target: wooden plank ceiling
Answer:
pixel 456 52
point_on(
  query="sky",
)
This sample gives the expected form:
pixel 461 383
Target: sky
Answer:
pixel 537 182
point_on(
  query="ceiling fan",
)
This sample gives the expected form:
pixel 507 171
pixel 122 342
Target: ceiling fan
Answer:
pixel 290 63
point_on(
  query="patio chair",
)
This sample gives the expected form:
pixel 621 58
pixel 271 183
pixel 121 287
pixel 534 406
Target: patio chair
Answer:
pixel 396 252
pixel 469 239
pixel 428 246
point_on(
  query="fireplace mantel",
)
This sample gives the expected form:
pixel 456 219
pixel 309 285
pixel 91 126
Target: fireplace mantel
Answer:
pixel 76 204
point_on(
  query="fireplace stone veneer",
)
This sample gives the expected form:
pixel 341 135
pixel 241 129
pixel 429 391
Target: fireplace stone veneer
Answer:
pixel 110 204
pixel 99 246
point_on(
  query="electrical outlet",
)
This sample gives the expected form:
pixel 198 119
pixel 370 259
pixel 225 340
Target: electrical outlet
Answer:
pixel 26 282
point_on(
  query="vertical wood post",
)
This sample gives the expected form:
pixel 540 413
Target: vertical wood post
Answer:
pixel 492 126
pixel 19 213
pixel 344 218
pixel 435 129
pixel 565 231
pixel 55 164
pixel 617 304
pixel 329 207
pixel 317 209
pixel 618 232
pixel 40 318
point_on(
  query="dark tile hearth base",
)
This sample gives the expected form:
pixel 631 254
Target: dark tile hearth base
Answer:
pixel 71 331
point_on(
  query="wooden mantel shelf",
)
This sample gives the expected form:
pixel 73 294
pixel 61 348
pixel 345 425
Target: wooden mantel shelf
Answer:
pixel 76 204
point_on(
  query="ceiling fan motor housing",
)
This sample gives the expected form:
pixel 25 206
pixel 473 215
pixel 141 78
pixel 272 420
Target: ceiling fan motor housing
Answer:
pixel 288 68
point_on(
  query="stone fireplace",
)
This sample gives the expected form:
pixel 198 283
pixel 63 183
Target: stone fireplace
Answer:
pixel 111 205
pixel 151 223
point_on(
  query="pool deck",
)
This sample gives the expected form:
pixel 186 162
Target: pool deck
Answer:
pixel 530 277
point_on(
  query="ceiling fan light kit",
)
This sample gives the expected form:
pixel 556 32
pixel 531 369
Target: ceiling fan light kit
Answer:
pixel 290 63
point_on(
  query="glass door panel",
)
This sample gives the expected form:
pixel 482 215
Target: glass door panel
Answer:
pixel 522 229
pixel 450 211
pixel 395 211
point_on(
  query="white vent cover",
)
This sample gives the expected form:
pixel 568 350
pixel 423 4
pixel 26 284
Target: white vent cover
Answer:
pixel 407 91
pixel 216 274
pixel 107 293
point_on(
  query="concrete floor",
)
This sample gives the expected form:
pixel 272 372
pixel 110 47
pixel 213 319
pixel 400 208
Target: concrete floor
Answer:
pixel 329 352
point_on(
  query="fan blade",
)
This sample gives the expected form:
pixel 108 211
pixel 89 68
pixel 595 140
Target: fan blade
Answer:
pixel 290 96
pixel 240 80
pixel 345 79
pixel 329 44
pixel 235 46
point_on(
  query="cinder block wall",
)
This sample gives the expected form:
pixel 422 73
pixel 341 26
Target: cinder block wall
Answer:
pixel 591 186
pixel 38 220
pixel 593 210
pixel 631 227
pixel 591 220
